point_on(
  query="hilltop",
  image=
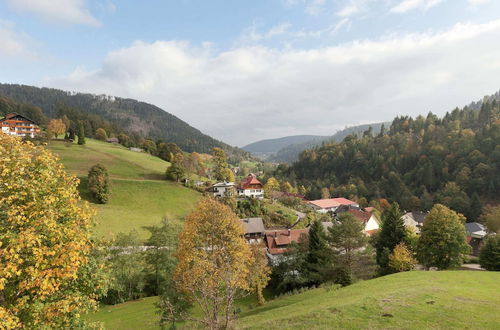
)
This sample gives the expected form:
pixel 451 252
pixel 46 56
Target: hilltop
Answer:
pixel 411 300
pixel 288 148
pixel 132 116
pixel 139 194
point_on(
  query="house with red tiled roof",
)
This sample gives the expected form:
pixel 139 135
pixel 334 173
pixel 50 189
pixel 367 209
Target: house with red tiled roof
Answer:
pixel 250 187
pixel 277 241
pixel 331 204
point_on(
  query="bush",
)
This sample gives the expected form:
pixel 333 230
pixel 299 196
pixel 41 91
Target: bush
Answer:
pixel 101 134
pixel 401 259
pixel 98 183
pixel 489 257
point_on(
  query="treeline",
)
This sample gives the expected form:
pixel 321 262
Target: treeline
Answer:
pixel 417 162
pixel 133 117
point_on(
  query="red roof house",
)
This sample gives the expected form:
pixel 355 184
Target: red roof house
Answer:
pixel 251 187
pixel 277 241
pixel 331 204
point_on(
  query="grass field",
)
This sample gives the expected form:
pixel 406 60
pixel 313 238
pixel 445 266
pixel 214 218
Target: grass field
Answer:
pixel 413 300
pixel 120 162
pixel 139 194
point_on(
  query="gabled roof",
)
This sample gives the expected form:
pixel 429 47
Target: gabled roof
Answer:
pixel 360 215
pixel 332 202
pixel 251 179
pixel 15 114
pixel 224 184
pixel 417 216
pixel 475 229
pixel 277 241
pixel 253 225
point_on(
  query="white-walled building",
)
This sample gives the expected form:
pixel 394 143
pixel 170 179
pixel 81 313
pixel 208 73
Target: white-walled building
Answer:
pixel 220 189
pixel 251 187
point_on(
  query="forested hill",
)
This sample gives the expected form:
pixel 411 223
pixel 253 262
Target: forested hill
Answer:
pixel 130 115
pixel 454 160
pixel 290 153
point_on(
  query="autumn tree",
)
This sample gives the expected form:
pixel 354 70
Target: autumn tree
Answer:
pixel 401 259
pixel 213 261
pixel 101 134
pixel 272 185
pixel 325 193
pixel 98 183
pixel 220 164
pixel 258 276
pixel 442 241
pixel 56 127
pixel 47 276
pixel 491 218
pixel 176 171
pixel 81 134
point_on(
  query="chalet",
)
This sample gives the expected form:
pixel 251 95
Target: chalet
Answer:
pixel 331 204
pixel 250 187
pixel 475 234
pixel 19 125
pixel 113 140
pixel 277 241
pixel 414 220
pixel 254 230
pixel 222 189
pixel 371 224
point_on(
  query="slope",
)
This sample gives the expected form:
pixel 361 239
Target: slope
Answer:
pixel 139 195
pixel 412 300
pixel 132 116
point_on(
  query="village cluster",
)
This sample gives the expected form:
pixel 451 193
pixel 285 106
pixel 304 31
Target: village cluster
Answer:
pixel 277 240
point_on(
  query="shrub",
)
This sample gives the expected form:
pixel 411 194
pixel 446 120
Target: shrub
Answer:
pixel 98 183
pixel 489 257
pixel 101 134
pixel 401 259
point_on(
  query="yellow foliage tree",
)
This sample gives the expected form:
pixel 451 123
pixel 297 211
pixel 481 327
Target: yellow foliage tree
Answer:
pixel 258 277
pixel 213 261
pixel 272 185
pixel 56 127
pixel 401 259
pixel 45 241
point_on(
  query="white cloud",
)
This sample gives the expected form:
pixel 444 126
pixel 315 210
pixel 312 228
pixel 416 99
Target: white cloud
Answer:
pixel 348 10
pixel 254 92
pixel 60 11
pixel 14 43
pixel 475 3
pixel 408 5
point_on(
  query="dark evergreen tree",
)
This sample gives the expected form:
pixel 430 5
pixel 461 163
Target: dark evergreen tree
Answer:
pixel 98 183
pixel 489 257
pixel 81 134
pixel 319 255
pixel 391 234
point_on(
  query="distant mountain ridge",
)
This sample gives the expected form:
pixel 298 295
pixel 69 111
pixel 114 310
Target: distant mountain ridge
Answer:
pixel 288 148
pixel 133 116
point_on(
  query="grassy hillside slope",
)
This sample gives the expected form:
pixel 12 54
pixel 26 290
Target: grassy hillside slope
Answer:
pixel 413 300
pixel 139 195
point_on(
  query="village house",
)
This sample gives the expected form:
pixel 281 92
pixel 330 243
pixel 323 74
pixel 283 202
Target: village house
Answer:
pixel 18 125
pixel 371 224
pixel 254 230
pixel 414 220
pixel 475 235
pixel 221 189
pixel 250 187
pixel 113 140
pixel 331 204
pixel 277 242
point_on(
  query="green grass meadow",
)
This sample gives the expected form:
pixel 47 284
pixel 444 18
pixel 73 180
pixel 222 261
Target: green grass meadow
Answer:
pixel 139 194
pixel 411 300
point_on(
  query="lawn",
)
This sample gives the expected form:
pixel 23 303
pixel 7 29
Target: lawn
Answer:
pixel 120 162
pixel 137 203
pixel 413 300
pixel 140 196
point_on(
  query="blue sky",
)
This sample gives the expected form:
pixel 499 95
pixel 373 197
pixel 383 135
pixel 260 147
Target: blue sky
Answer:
pixel 274 67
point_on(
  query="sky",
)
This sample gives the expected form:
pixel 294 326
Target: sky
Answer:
pixel 243 71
